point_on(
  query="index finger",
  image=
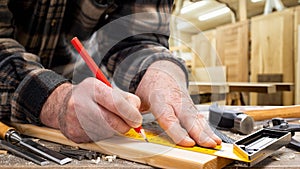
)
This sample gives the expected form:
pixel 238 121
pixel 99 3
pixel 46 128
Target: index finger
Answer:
pixel 115 102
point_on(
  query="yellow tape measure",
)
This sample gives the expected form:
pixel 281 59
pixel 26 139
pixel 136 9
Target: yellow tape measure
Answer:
pixel 225 150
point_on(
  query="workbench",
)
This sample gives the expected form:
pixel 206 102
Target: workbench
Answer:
pixel 283 158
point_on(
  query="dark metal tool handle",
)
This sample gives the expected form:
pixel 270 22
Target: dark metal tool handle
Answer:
pixel 294 144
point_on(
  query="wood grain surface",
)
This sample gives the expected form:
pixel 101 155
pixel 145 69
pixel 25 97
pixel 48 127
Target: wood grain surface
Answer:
pixel 133 150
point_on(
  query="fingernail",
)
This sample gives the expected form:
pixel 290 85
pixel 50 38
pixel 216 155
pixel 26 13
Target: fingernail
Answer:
pixel 187 138
pixel 188 141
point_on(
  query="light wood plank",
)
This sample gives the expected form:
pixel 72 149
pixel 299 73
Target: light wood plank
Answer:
pixel 232 43
pixel 297 54
pixel 207 87
pixel 133 150
pixel 242 10
pixel 204 50
pixel 272 49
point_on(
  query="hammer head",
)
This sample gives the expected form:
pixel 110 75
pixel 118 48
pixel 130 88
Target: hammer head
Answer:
pixel 230 120
pixel 243 124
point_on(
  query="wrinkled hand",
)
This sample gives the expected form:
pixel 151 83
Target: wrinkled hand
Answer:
pixel 91 111
pixel 163 91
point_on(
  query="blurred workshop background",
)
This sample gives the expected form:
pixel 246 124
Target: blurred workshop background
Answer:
pixel 239 52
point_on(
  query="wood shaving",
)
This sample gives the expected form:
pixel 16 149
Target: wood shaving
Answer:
pixel 4 152
pixel 98 160
pixel 109 158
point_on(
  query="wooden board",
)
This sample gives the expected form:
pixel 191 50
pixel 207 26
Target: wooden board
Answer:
pixel 297 54
pixel 215 74
pixel 204 50
pixel 232 43
pixel 272 49
pixel 133 150
pixel 242 10
pixel 207 87
pixel 198 87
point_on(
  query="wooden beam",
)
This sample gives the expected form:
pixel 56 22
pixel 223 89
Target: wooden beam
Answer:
pixel 284 86
pixel 134 150
pixel 207 87
pixel 243 10
pixel 252 87
pixel 297 53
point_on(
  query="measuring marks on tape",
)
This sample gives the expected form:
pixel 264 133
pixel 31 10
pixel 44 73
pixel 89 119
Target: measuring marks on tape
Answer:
pixel 225 150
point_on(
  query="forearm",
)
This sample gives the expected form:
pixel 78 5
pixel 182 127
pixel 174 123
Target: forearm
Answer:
pixel 55 105
pixel 25 84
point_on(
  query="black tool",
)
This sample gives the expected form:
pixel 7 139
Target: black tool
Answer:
pixel 11 135
pixel 280 124
pixel 46 152
pixel 78 154
pixel 260 144
pixel 230 119
pixel 13 149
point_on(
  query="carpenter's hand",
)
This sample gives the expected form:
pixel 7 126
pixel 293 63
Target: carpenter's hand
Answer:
pixel 163 91
pixel 92 111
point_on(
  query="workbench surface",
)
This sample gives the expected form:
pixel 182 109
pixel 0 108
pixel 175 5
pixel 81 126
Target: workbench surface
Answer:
pixel 283 158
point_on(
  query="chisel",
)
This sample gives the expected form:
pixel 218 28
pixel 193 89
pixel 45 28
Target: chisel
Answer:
pixel 11 135
pixel 13 149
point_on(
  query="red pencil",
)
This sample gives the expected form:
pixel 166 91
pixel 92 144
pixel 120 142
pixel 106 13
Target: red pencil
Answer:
pixel 99 75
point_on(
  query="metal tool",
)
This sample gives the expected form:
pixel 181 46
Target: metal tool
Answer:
pixel 11 135
pixel 79 154
pixel 280 124
pixel 13 149
pixel 260 145
pixel 230 119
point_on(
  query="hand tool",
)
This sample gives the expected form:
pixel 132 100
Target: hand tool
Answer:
pixel 13 149
pixel 99 75
pixel 11 135
pixel 246 152
pixel 280 124
pixel 79 153
pixel 230 119
pixel 269 113
pixel 259 145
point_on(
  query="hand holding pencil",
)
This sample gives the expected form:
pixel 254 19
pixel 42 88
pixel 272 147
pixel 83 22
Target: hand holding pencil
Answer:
pixel 99 75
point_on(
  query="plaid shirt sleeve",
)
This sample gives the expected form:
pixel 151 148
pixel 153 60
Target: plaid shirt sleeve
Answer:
pixel 136 36
pixel 24 83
